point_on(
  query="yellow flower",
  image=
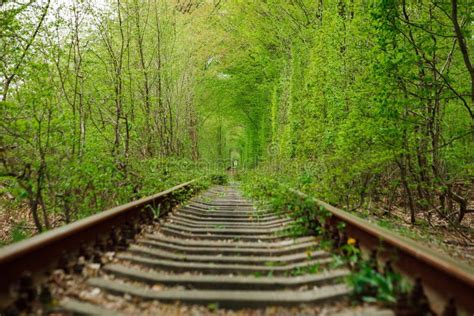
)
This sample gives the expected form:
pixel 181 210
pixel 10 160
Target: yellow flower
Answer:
pixel 351 241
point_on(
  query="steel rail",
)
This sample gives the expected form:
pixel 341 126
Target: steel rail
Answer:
pixel 445 280
pixel 40 253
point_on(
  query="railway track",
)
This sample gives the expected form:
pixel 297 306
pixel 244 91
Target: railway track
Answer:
pixel 216 250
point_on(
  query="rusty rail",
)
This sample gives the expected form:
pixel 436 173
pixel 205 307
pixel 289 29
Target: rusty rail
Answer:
pixel 32 258
pixel 446 282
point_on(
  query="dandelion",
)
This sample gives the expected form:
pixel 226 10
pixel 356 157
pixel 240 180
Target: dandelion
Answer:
pixel 351 241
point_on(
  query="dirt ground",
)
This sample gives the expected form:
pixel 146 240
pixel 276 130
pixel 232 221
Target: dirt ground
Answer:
pixel 10 219
pixel 434 232
pixel 16 222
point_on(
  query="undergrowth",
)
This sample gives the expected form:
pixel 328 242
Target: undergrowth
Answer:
pixel 90 188
pixel 368 283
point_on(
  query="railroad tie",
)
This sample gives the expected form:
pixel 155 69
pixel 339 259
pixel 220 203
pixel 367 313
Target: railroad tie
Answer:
pixel 217 249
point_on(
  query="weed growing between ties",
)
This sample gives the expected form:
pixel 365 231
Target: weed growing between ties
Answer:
pixel 369 284
pixel 219 179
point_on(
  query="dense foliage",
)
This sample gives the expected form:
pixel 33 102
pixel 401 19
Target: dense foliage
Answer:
pixel 357 101
pixel 97 104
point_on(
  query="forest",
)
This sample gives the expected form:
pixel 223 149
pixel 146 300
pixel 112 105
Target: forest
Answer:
pixel 368 105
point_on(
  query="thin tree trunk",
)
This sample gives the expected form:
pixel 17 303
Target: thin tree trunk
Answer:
pixel 146 85
pixel 9 78
pixel 465 53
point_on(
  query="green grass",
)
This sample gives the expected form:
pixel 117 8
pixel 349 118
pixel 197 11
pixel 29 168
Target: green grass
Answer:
pixel 257 274
pixel 312 269
pixel 213 307
pixel 19 232
pixel 206 199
